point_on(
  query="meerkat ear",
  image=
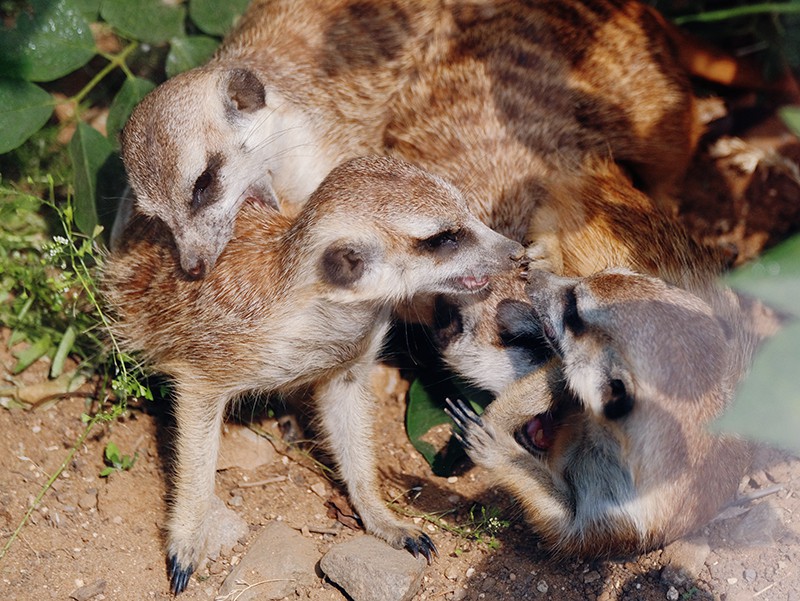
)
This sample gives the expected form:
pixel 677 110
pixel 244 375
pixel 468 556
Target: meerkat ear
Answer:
pixel 516 324
pixel 344 263
pixel 245 91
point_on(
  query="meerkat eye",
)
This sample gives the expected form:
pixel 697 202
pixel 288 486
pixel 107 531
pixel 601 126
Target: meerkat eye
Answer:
pixel 619 403
pixel 445 240
pixel 205 186
pixel 199 196
pixel 572 318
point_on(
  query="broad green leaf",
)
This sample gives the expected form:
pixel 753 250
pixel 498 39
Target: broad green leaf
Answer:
pixel 24 109
pixel 89 151
pixel 189 52
pixel 214 17
pixel 64 347
pixel 31 354
pixel 88 8
pixel 47 42
pixel 422 414
pixel 129 95
pixel 774 277
pixel 791 117
pixel 767 405
pixel 150 21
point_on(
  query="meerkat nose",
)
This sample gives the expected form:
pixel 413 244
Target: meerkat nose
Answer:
pixel 196 271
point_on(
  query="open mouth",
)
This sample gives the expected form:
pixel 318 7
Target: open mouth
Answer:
pixel 473 283
pixel 538 434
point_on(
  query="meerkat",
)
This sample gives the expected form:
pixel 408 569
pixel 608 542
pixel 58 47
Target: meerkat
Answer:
pixel 598 221
pixel 494 95
pixel 607 445
pixel 294 302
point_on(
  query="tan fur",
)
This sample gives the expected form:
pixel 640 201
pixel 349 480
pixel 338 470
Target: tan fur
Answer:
pixel 294 303
pixel 626 461
pixel 495 95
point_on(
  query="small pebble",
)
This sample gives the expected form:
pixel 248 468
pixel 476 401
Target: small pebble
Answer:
pixel 672 594
pixel 750 575
pixel 452 479
pixel 236 501
pixel 451 573
pixel 542 587
pixel 454 499
pixel 590 577
pixel 470 572
pixel 733 580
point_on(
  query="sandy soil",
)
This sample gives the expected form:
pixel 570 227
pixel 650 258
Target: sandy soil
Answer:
pixel 106 533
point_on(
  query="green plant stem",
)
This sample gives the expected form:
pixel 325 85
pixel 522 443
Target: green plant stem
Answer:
pixel 739 11
pixel 49 483
pixel 114 61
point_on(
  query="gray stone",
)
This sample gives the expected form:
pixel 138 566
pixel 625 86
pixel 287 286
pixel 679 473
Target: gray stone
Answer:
pixel 370 570
pixel 684 560
pixel 241 447
pixel 278 562
pixel 227 527
pixel 759 527
pixel 85 593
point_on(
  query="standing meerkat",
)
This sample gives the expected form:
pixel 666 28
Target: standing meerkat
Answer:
pixel 294 303
pixel 494 95
pixel 607 447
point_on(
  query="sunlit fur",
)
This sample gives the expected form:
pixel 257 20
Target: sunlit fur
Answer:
pixel 495 95
pixel 294 303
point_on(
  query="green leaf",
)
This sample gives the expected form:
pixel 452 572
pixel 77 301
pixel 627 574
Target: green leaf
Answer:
pixel 767 405
pixel 88 8
pixel 47 42
pixel 64 347
pixel 106 471
pixel 129 95
pixel 24 109
pixel 189 52
pixel 214 17
pixel 112 452
pixel 774 277
pixel 89 151
pixel 31 354
pixel 149 21
pixel 422 414
pixel 791 117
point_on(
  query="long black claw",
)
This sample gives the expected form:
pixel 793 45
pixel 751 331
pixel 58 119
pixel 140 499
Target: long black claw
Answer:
pixel 424 545
pixel 462 414
pixel 178 576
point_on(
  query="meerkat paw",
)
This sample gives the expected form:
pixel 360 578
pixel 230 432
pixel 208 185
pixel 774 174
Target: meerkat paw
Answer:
pixel 179 574
pixel 474 434
pixel 538 256
pixel 399 535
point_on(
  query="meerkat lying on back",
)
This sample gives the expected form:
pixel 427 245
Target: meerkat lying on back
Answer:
pixel 296 302
pixel 597 221
pixel 607 447
pixel 494 95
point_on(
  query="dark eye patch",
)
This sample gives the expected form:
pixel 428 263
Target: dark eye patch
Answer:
pixel 206 186
pixel 572 319
pixel 620 403
pixel 445 241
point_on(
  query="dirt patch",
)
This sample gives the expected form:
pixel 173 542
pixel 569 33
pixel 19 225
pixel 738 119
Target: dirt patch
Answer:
pixel 103 536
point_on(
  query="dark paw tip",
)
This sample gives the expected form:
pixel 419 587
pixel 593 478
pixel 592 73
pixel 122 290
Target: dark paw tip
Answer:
pixel 178 575
pixel 421 545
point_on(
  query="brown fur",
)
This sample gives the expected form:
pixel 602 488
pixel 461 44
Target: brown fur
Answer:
pixel 296 303
pixel 495 95
pixel 626 461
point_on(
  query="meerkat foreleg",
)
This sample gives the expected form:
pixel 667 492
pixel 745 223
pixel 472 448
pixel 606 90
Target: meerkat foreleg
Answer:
pixel 199 419
pixel 346 410
pixel 496 450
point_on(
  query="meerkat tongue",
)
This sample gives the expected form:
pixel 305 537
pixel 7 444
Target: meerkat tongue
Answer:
pixel 540 431
pixel 470 282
